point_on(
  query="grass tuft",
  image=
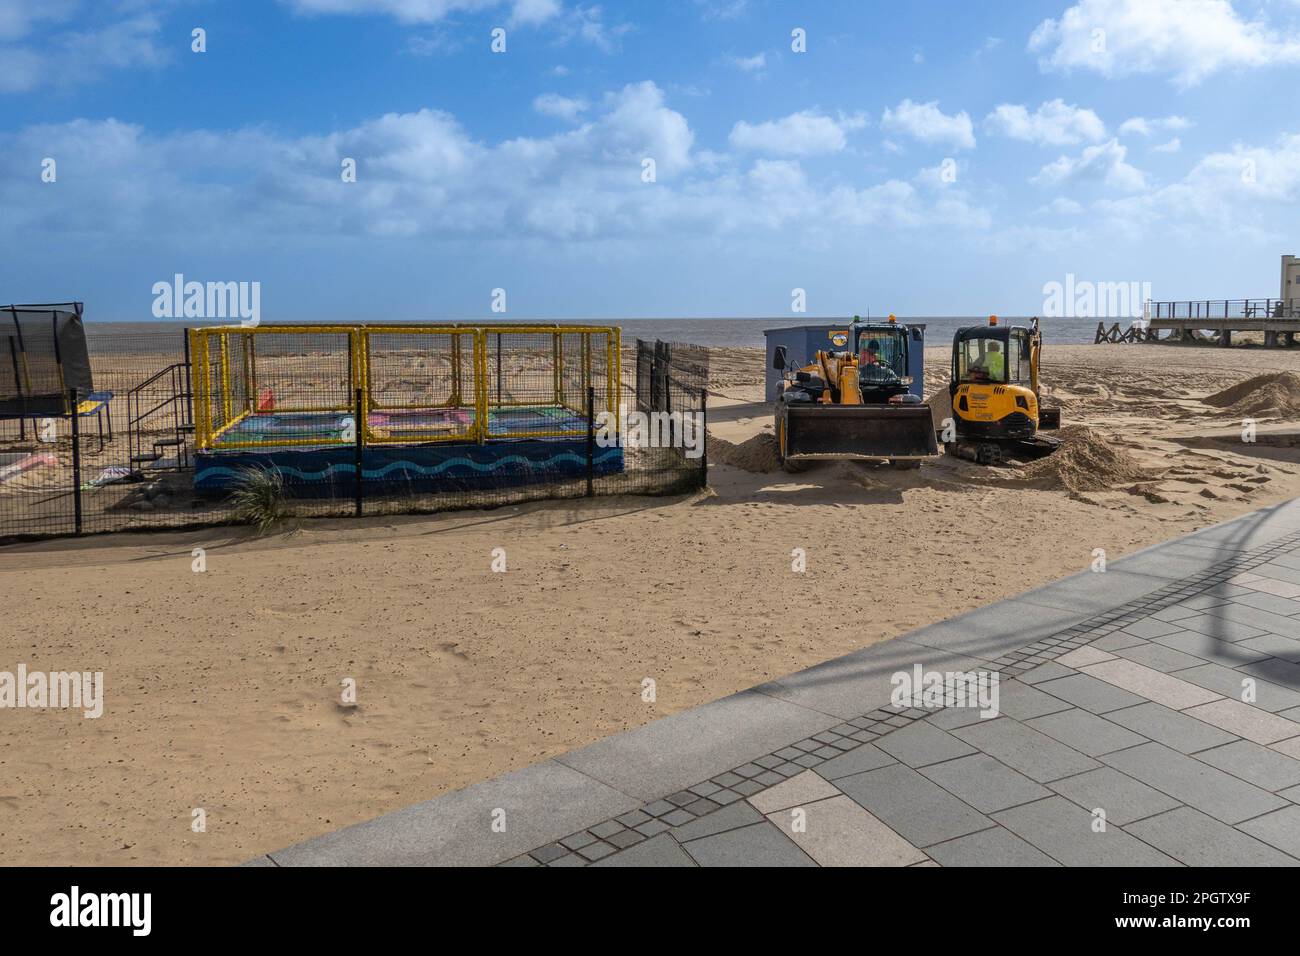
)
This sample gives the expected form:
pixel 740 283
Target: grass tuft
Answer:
pixel 259 499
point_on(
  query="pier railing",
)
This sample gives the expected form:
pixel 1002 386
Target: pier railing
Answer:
pixel 1249 309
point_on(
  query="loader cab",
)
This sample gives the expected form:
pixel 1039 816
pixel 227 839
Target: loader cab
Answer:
pixel 882 354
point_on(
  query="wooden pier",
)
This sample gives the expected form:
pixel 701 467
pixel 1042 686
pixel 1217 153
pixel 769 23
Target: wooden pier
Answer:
pixel 1210 322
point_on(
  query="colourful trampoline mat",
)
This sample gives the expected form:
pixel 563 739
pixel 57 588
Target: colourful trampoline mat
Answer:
pixel 309 427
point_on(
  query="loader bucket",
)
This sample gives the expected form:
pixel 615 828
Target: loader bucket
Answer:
pixel 896 432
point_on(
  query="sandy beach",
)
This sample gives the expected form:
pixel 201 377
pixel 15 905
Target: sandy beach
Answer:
pixel 223 689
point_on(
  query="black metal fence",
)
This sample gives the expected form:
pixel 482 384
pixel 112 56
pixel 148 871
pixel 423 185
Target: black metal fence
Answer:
pixel 128 462
pixel 1250 309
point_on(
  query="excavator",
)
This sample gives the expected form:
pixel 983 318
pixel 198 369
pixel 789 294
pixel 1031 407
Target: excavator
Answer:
pixel 997 401
pixel 859 402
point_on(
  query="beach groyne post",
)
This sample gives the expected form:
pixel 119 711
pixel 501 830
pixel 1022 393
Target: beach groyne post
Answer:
pixel 358 430
pixel 703 437
pixel 74 402
pixel 591 440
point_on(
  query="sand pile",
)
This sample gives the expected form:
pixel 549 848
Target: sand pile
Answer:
pixel 757 454
pixel 1276 395
pixel 940 402
pixel 1086 461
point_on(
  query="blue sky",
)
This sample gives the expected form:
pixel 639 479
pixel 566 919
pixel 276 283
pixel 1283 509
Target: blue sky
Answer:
pixel 926 158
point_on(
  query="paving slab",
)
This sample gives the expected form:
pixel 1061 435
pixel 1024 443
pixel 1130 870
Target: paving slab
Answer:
pixel 1066 833
pixel 1171 728
pixel 1280 829
pixel 989 632
pixel 798 791
pixel 1265 621
pixel 1170 562
pixel 984 783
pixel 1270 602
pixel 1265 768
pixel 1149 628
pixel 1244 720
pixel 1210 649
pixel 1274 669
pixel 1045 672
pixel 541 803
pixel 1091 593
pixel 1195 839
pixel 676 752
pixel 866 757
pixel 732 817
pixel 1158 657
pixel 839 832
pixel 919 810
pixel 1188 780
pixel 1023 701
pixel 661 850
pixel 856 683
pixel 1274 645
pixel 1089 693
pixel 1233 683
pixel 1151 684
pixel 1220 628
pixel 994 847
pixel 759 844
pixel 922 744
pixel 1119 795
pixel 1086 732
pixel 1113 642
pixel 1026 750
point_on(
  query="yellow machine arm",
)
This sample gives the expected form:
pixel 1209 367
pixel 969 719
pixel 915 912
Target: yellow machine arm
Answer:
pixel 839 370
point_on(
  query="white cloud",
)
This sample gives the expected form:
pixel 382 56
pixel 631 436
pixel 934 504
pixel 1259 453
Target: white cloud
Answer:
pixel 1221 188
pixel 61 43
pixel 1104 163
pixel 407 11
pixel 585 23
pixel 588 24
pixel 1141 126
pixel 532 12
pixel 1173 146
pixel 561 107
pixel 1186 39
pixel 20 17
pixel 750 64
pixel 1054 123
pixel 807 133
pixel 926 122
pixel 1062 206
pixel 721 9
pixel 421 174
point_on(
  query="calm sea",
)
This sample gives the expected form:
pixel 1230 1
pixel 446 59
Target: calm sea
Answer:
pixel 164 337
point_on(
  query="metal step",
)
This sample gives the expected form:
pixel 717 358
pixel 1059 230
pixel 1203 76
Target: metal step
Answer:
pixel 145 458
pixel 168 442
pixel 188 429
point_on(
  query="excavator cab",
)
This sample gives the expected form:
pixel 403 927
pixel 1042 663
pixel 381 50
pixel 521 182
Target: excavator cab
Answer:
pixel 996 395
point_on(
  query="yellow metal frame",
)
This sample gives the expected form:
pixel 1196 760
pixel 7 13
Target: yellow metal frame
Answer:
pixel 202 356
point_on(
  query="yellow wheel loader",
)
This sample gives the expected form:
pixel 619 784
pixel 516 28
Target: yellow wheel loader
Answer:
pixel 997 406
pixel 861 401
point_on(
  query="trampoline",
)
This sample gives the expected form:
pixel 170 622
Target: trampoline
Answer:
pixel 441 407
